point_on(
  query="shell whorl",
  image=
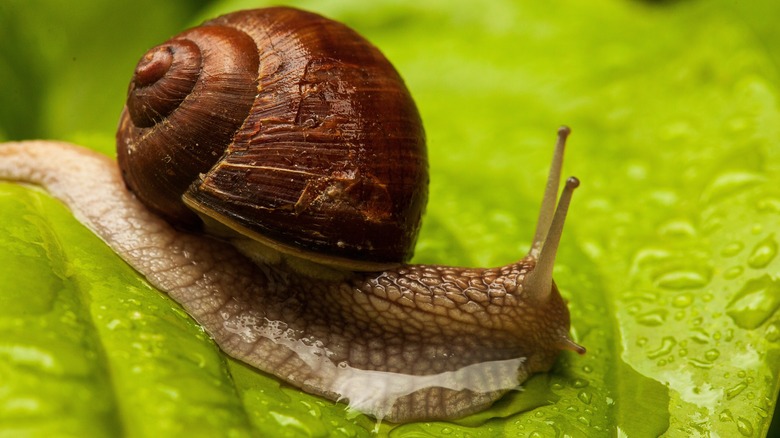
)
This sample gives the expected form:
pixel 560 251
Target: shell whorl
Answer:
pixel 178 119
pixel 285 126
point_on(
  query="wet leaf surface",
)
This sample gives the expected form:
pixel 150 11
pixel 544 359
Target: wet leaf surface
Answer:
pixel 669 258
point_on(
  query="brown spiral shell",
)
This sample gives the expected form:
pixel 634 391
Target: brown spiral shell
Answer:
pixel 284 126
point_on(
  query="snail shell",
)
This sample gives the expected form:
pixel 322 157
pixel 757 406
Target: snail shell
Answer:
pixel 285 127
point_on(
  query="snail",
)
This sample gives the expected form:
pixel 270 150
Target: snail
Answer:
pixel 271 177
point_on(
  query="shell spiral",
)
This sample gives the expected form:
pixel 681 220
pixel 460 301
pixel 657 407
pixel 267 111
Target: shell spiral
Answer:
pixel 281 124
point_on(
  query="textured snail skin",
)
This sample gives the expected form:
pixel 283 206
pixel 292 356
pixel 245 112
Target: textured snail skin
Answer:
pixel 440 342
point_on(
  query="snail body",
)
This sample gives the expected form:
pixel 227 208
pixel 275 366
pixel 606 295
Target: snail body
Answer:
pixel 398 341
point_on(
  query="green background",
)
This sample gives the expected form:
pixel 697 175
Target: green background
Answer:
pixel 669 258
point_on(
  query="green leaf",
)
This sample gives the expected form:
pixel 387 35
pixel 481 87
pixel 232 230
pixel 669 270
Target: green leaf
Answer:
pixel 669 258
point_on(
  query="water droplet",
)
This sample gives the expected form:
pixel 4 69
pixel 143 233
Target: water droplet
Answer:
pixel 733 272
pixel 667 343
pixel 741 374
pixel 649 255
pixel 69 318
pixel 773 331
pixel 763 253
pixel 653 318
pixel 683 279
pixel 664 197
pixel 641 342
pixel 729 184
pixel 698 363
pixel 699 335
pixel 446 430
pixel 744 427
pixel 683 352
pixel 735 390
pixel 677 229
pixel 768 205
pixel 580 383
pixel 712 355
pixel 114 324
pixel 726 415
pixel 312 409
pixel 682 300
pixel 587 368
pixel 732 249
pixel 712 223
pixel 583 420
pixel 633 296
pixel 636 171
pixel 755 303
pixel 585 397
